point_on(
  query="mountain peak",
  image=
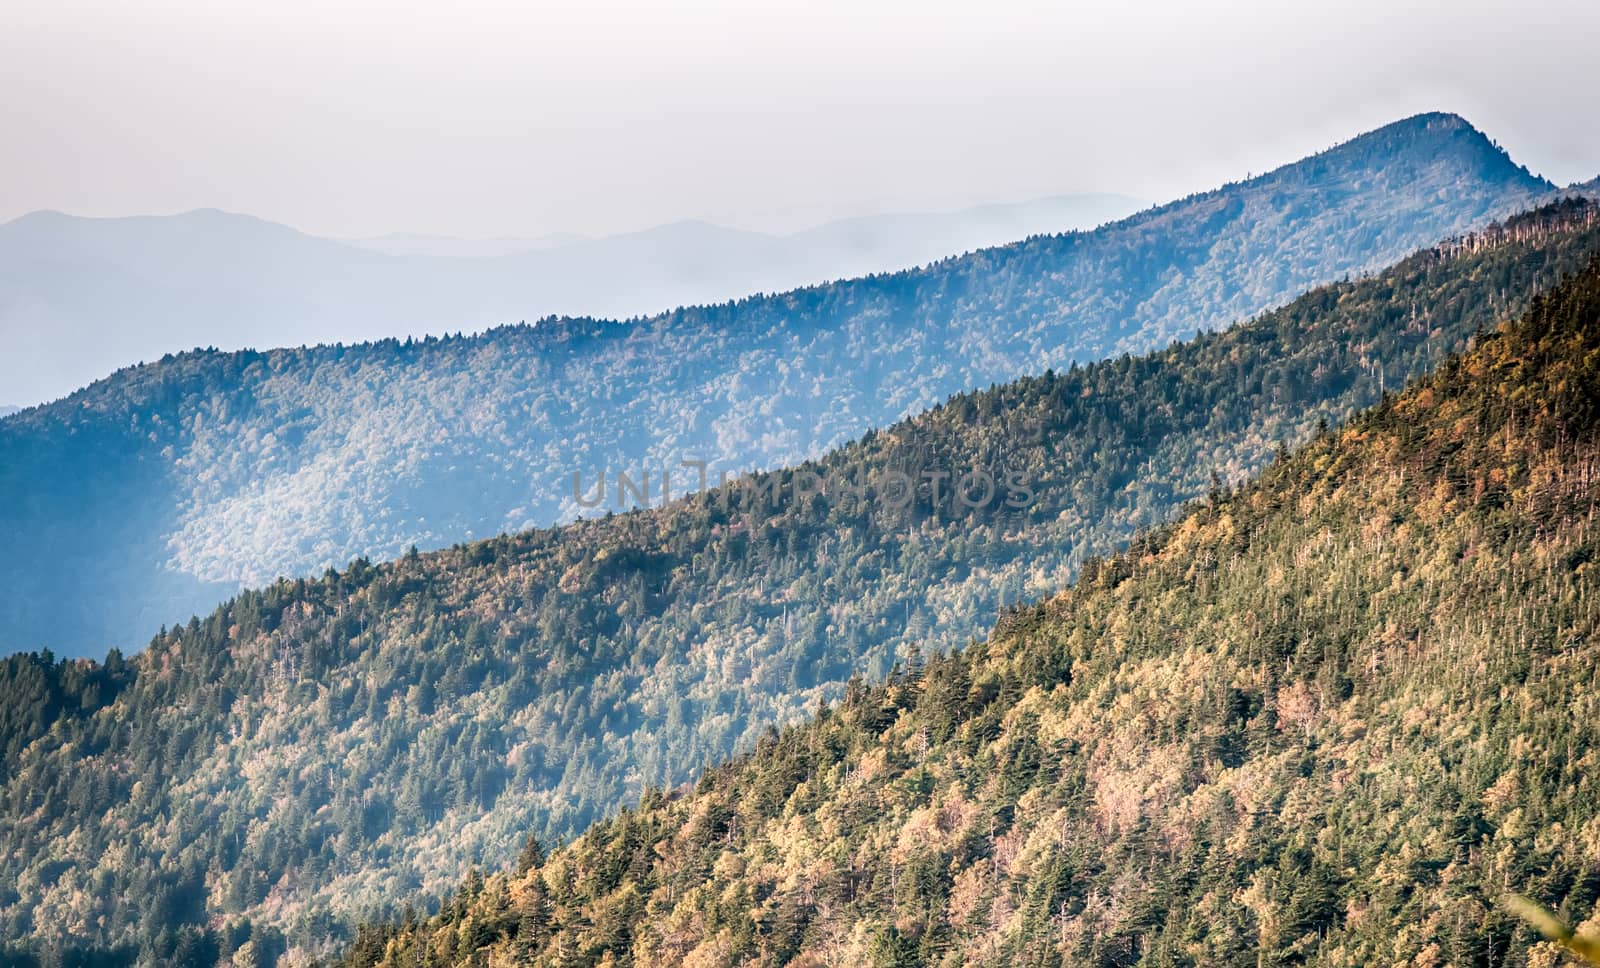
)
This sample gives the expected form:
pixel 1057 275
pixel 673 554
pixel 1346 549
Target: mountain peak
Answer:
pixel 1438 147
pixel 1427 123
pixel 1432 126
pixel 1437 118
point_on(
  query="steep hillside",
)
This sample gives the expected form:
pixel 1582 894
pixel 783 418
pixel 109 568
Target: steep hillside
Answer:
pixel 315 751
pixel 155 493
pixel 1328 719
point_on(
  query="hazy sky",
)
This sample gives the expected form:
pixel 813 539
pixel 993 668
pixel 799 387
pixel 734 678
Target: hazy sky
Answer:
pixel 488 117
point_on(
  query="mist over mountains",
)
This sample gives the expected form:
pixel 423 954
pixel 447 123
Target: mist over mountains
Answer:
pixel 298 759
pixel 153 494
pixel 1193 722
pixel 640 485
pixel 81 297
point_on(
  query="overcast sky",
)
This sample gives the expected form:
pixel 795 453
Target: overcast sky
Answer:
pixel 492 117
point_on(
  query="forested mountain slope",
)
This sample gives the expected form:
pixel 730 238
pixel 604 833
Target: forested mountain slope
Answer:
pixel 316 751
pixel 1330 718
pixel 157 492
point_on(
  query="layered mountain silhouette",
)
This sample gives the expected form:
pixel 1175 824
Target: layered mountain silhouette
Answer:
pixel 160 490
pixel 316 752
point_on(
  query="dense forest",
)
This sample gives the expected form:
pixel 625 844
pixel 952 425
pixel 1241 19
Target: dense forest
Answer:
pixel 162 490
pixel 1331 717
pixel 316 751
